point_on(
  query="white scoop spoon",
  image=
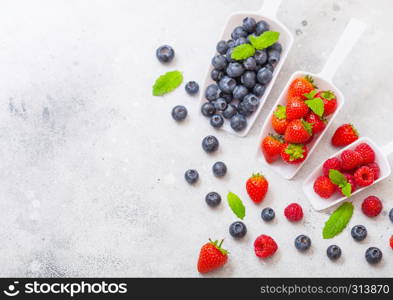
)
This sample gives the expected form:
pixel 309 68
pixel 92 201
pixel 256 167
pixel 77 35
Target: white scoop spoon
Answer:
pixel 323 80
pixel 380 158
pixel 267 13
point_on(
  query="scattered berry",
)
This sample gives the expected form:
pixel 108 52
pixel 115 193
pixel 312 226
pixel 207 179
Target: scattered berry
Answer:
pixel 318 124
pixel 192 87
pixel 264 246
pixel 211 257
pixel 179 113
pixel 329 102
pixel 294 153
pixel 238 229
pixel 208 109
pixel 391 215
pixel 359 232
pixel 165 53
pixel 350 160
pixel 391 242
pixel 296 108
pixel 302 242
pixel 219 169
pixel 267 214
pixel 345 135
pixel 372 206
pixel 213 199
pixel 366 152
pixel 210 144
pixel 271 147
pixel 375 168
pixel 293 212
pixel 257 187
pixel 373 255
pixel 331 164
pixel 301 86
pixel 333 252
pixel 324 187
pixel 297 132
pixel 191 176
pixel 216 121
pixel 279 119
pixel 364 176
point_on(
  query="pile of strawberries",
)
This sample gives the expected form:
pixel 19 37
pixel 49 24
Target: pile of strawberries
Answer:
pixel 297 123
pixel 354 168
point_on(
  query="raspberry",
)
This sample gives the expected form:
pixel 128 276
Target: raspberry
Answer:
pixel 324 187
pixel 264 246
pixel 375 168
pixel 332 163
pixel 364 176
pixel 391 242
pixel 351 180
pixel 294 212
pixel 371 206
pixel 350 160
pixel 366 152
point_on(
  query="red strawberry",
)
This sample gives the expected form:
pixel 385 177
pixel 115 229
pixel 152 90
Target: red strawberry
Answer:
pixel 264 246
pixel 211 257
pixel 294 153
pixel 364 176
pixel 375 168
pixel 329 101
pixel 257 187
pixel 372 206
pixel 296 108
pixel 318 124
pixel 324 187
pixel 293 212
pixel 345 135
pixel 271 147
pixel 366 152
pixel 350 160
pixel 352 182
pixel 332 163
pixel 279 119
pixel 301 86
pixel 298 132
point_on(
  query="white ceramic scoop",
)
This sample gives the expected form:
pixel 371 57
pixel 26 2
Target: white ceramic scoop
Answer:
pixel 267 13
pixel 323 81
pixel 381 154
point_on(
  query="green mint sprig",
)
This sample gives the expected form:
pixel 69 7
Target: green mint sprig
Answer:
pixel 167 83
pixel 338 220
pixel 236 204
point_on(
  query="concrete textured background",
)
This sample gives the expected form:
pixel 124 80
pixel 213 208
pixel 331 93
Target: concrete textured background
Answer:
pixel 92 165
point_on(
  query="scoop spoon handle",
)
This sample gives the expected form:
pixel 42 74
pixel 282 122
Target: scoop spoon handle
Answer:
pixel 388 148
pixel 270 8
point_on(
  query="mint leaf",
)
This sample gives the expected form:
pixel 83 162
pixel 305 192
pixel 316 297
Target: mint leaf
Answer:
pixel 347 190
pixel 337 177
pixel 242 52
pixel 264 40
pixel 316 105
pixel 167 83
pixel 338 220
pixel 236 204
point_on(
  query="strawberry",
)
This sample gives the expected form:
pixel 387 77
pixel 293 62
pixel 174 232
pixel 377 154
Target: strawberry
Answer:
pixel 294 153
pixel 350 160
pixel 366 152
pixel 264 246
pixel 279 119
pixel 345 135
pixel 324 187
pixel 301 86
pixel 329 101
pixel 297 132
pixel 271 147
pixel 257 187
pixel 211 256
pixel 331 164
pixel 296 108
pixel 318 123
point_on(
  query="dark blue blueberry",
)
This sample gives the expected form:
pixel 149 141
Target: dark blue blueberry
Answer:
pixel 273 56
pixel 219 169
pixel 333 252
pixel 228 56
pixel 264 75
pixel 269 67
pixel 229 112
pixel 249 79
pixel 259 90
pixel 228 97
pixel 240 41
pixel 192 87
pixel 276 46
pixel 250 64
pixel 238 32
pixel 242 109
pixel 216 121
pixel 235 69
pixel 249 24
pixel 165 53
pixel 210 144
pixel 238 122
pixel 212 92
pixel 251 102
pixel 208 109
pixel 373 255
pixel 219 62
pixel 227 84
pixel 238 229
pixel 179 113
pixel 260 57
pixel 302 242
pixel 268 214
pixel 191 176
pixel 220 104
pixel 359 232
pixel 231 43
pixel 216 75
pixel 222 47
pixel 391 215
pixel 240 92
pixel 261 27
pixel 213 199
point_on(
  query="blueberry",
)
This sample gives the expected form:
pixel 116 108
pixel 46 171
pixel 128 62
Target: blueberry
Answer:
pixel 273 56
pixel 220 104
pixel 260 57
pixel 235 69
pixel 191 176
pixel 359 232
pixel 261 27
pixel 264 75
pixel 240 92
pixel 179 113
pixel 240 41
pixel 231 43
pixel 219 169
pixel 242 109
pixel 373 255
pixel 222 47
pixel 249 24
pixel 208 109
pixel 229 112
pixel 210 144
pixel 251 102
pixel 212 92
pixel 228 97
pixel 391 215
pixel 216 121
pixel 276 46
pixel 228 55
pixel 302 242
pixel 259 90
pixel 227 84
pixel 238 122
pixel 250 64
pixel 216 75
pixel 248 79
pixel 213 199
pixel 165 53
pixel 269 67
pixel 238 32
pixel 333 252
pixel 192 87
pixel 219 62
pixel 267 214
pixel 238 229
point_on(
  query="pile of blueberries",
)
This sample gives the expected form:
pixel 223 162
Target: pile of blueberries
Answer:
pixel 239 85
